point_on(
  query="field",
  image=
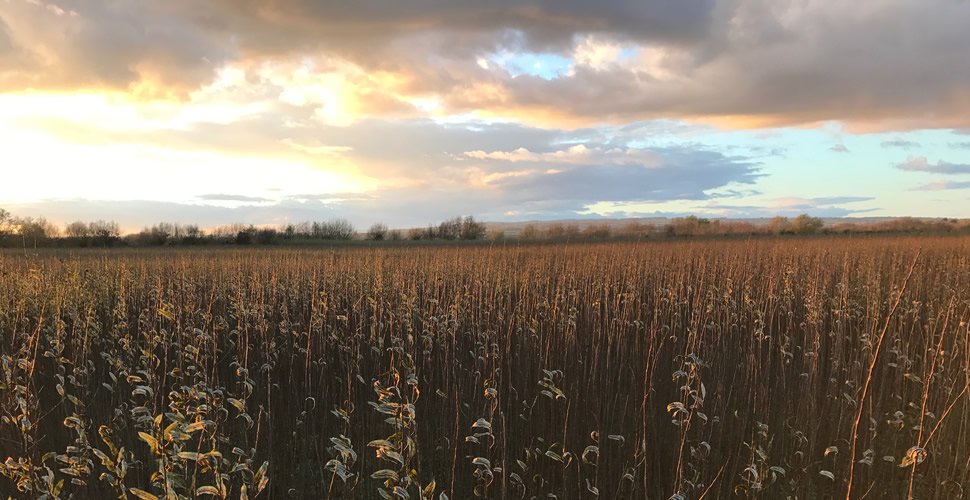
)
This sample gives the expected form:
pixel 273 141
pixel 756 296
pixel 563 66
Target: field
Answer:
pixel 775 368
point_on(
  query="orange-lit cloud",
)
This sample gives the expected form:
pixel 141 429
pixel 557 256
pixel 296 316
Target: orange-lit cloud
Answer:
pixel 749 63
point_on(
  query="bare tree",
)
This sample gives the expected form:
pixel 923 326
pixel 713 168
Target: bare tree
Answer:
pixel 77 229
pixel 472 229
pixel 450 229
pixel 105 233
pixel 33 230
pixel 377 232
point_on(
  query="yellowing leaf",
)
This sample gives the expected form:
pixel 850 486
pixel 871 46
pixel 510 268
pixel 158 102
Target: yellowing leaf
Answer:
pixel 207 490
pixel 152 442
pixel 142 494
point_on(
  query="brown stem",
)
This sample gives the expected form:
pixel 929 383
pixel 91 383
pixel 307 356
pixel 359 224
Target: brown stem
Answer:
pixel 872 369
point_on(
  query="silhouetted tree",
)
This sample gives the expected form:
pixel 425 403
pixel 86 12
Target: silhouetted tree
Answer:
pixel 450 229
pixel 471 229
pixel 246 236
pixel 77 229
pixel 266 236
pixel 377 232
pixel 33 230
pixel 105 233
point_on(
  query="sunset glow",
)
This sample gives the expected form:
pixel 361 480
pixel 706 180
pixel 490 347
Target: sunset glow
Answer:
pixel 218 112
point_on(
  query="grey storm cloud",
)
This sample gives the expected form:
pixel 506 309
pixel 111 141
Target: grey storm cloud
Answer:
pixel 759 61
pixel 452 28
pixel 839 148
pixel 920 164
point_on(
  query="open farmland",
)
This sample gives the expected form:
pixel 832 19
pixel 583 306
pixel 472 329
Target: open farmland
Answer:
pixel 801 368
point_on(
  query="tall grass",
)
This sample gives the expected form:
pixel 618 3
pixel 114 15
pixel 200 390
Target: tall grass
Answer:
pixel 766 369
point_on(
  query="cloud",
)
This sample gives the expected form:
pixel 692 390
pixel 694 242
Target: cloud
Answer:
pixel 769 64
pixel 581 175
pixel 941 185
pixel 960 145
pixel 900 143
pixel 6 38
pixel 12 55
pixel 146 48
pixel 741 62
pixel 836 200
pixel 487 188
pixel 919 164
pixel 576 155
pixel 407 171
pixel 792 206
pixel 839 148
pixel 398 209
pixel 232 197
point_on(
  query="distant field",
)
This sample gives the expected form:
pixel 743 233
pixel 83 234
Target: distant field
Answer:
pixel 770 368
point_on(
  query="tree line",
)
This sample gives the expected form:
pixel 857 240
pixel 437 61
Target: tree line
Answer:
pixel 693 226
pixel 37 232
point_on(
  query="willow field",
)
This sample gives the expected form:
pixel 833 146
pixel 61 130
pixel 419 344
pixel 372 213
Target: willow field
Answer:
pixel 773 368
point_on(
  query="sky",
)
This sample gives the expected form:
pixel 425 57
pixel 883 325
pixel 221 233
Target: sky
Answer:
pixel 407 113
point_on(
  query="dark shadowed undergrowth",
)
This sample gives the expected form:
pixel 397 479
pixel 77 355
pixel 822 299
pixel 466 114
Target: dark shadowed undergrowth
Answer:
pixel 620 370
